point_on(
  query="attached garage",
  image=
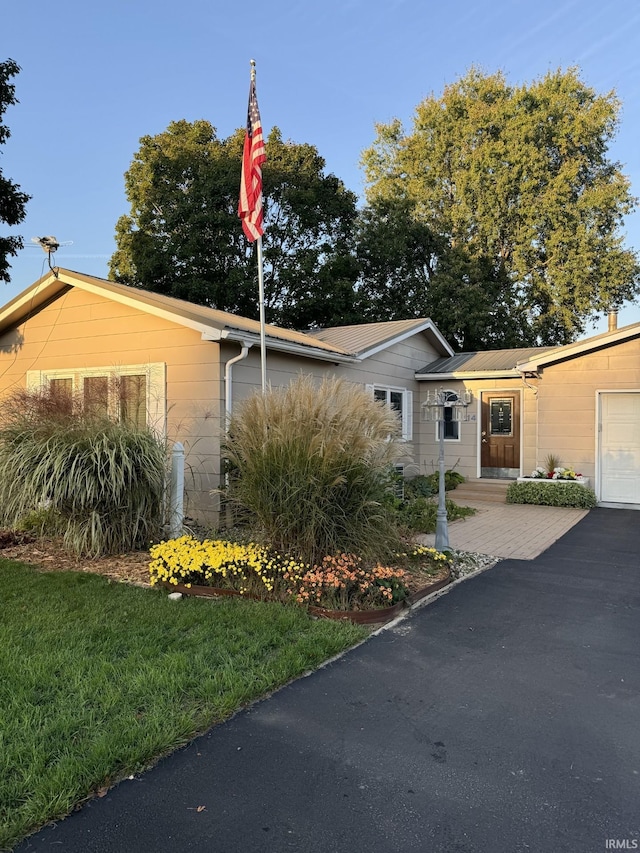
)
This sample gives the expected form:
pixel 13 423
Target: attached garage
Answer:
pixel 619 446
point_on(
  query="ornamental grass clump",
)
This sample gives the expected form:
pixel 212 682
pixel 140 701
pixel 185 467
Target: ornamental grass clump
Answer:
pixel 311 463
pixel 66 470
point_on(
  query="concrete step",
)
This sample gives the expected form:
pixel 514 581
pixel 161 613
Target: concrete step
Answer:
pixel 492 491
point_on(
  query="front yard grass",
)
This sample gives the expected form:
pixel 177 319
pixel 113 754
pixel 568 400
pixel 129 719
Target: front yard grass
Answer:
pixel 99 679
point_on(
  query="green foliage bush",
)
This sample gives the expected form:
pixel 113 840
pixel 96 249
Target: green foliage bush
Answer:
pixel 567 494
pixel 419 514
pixel 311 464
pixel 419 487
pixel 425 485
pixel 452 480
pixel 65 470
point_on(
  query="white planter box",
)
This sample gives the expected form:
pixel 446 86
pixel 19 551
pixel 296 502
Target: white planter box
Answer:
pixel 582 481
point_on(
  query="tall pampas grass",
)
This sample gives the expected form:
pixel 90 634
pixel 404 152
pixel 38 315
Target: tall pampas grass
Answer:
pixel 311 463
pixel 97 482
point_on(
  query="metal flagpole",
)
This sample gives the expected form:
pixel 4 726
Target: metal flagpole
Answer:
pixel 263 340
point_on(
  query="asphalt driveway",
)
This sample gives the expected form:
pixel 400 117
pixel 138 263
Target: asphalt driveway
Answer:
pixel 505 716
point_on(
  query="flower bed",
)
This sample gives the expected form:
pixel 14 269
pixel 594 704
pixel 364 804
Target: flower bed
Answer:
pixel 341 584
pixel 579 479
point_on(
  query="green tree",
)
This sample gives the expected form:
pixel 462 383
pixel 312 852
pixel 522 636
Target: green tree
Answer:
pixel 517 183
pixel 183 237
pixel 409 271
pixel 12 200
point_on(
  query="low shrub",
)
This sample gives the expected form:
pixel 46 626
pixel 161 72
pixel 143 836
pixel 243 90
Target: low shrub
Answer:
pixel 565 495
pixel 419 487
pixel 419 515
pixel 452 480
pixel 425 485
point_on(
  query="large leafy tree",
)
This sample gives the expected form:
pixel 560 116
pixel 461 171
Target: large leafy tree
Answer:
pixel 517 186
pixel 409 271
pixel 12 200
pixel 183 237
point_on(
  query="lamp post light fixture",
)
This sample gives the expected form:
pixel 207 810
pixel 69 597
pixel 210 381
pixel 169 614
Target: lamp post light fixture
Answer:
pixel 435 409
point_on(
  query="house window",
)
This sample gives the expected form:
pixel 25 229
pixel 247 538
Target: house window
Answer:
pixel 133 394
pixel 95 395
pixel 401 401
pixel 133 400
pixel 451 425
pixel 62 393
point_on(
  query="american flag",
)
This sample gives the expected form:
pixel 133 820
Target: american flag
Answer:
pixel 253 156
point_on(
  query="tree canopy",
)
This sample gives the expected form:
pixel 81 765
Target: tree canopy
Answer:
pixel 407 270
pixel 501 202
pixel 12 200
pixel 183 237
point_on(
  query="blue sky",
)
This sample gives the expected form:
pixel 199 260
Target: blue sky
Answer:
pixel 97 77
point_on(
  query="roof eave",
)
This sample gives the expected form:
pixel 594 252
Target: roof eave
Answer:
pixel 288 347
pixel 470 374
pixel 30 300
pixel 427 326
pixel 580 348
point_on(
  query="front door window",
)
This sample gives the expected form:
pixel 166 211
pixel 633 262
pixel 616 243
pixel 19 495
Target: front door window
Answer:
pixel 500 417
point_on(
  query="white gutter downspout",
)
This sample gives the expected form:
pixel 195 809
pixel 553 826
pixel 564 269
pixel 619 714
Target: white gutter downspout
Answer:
pixel 228 370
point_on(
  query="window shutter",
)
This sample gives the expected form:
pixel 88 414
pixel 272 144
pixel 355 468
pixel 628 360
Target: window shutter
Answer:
pixel 407 416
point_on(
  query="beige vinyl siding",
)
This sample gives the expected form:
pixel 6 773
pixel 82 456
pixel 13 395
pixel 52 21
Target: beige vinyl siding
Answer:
pixel 459 454
pixel 464 453
pixel 80 331
pixel 567 401
pixel 394 367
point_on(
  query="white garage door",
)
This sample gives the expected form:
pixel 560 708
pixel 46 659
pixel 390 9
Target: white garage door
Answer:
pixel 620 448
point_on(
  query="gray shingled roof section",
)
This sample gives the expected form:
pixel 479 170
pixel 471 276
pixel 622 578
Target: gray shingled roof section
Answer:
pixel 361 337
pixel 481 362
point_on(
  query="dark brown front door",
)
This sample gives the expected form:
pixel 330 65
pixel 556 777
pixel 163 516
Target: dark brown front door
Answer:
pixel 500 454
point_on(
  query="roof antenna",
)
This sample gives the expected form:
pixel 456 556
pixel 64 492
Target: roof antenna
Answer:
pixel 49 246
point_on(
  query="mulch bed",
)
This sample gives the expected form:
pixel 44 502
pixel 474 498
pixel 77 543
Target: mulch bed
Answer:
pixel 47 555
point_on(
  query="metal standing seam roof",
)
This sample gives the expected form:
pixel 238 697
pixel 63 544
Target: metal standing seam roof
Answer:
pixel 359 338
pixel 489 361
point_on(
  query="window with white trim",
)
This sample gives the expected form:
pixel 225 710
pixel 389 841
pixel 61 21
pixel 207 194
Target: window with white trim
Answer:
pixel 401 401
pixel 135 394
pixel 451 425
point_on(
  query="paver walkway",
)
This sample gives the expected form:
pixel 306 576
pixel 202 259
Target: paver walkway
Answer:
pixel 517 531
pixel 501 718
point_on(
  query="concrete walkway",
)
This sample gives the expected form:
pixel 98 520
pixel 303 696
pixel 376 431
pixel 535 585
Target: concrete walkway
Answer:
pixel 516 531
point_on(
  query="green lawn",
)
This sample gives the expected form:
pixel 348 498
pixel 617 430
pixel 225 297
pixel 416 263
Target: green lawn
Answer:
pixel 99 679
